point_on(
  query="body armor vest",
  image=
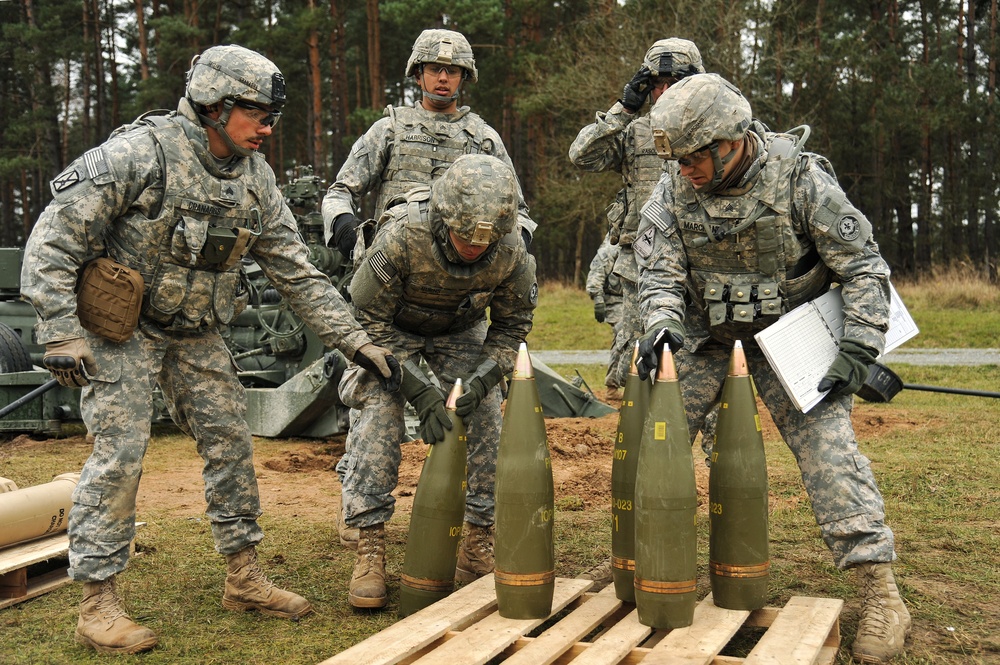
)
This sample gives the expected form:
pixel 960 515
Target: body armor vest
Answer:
pixel 424 145
pixel 439 296
pixel 744 281
pixel 187 255
pixel 641 171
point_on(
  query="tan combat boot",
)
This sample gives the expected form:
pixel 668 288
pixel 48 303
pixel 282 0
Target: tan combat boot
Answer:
pixel 885 620
pixel 602 574
pixel 367 589
pixel 348 534
pixel 475 556
pixel 247 588
pixel 105 626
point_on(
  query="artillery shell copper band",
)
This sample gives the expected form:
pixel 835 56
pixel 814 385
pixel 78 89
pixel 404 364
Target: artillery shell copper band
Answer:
pixel 422 584
pixel 653 586
pixel 622 564
pixel 730 570
pixel 524 579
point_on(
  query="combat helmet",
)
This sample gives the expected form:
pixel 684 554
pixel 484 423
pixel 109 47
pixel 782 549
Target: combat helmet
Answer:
pixel 476 199
pixel 673 57
pixel 445 47
pixel 232 75
pixel 695 114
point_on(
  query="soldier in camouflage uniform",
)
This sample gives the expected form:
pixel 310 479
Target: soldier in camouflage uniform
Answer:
pixel 621 139
pixel 414 145
pixel 438 260
pixel 750 227
pixel 604 287
pixel 159 197
pixel 410 146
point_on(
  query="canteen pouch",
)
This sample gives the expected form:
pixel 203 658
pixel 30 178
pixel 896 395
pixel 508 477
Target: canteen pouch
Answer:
pixel 108 299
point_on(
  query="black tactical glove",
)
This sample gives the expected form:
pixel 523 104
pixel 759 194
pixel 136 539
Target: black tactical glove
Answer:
pixel 477 385
pixel 66 360
pixel 345 233
pixel 637 90
pixel 849 369
pixel 428 402
pixel 651 344
pixel 600 310
pixel 382 364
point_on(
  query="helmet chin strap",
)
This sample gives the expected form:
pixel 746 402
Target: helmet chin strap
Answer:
pixel 220 127
pixel 444 100
pixel 718 165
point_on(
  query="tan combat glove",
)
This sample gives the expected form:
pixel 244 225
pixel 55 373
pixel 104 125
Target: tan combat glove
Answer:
pixel 382 364
pixel 66 360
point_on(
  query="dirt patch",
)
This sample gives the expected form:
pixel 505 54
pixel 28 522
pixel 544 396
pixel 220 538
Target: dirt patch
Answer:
pixel 298 477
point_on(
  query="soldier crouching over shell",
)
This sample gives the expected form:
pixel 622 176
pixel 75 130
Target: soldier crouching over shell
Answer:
pixel 438 260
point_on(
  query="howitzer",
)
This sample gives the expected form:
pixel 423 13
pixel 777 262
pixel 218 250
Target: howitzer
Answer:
pixel 883 384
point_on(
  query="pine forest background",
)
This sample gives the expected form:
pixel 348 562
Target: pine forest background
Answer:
pixel 900 95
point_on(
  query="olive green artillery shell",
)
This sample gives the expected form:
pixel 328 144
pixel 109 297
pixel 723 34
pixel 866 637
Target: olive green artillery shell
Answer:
pixel 435 523
pixel 525 548
pixel 666 500
pixel 737 491
pixel 635 405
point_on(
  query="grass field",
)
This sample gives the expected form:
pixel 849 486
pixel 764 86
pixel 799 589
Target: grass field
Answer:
pixel 934 456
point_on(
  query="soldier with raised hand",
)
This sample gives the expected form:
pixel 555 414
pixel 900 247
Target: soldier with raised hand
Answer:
pixel 604 287
pixel 620 139
pixel 749 227
pixel 438 261
pixel 414 145
pixel 173 202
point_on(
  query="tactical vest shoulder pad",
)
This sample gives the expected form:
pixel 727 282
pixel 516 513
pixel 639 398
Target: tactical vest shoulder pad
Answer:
pixel 416 193
pixel 154 118
pixel 786 145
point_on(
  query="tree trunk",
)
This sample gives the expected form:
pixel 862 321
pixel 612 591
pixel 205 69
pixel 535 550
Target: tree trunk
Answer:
pixel 110 21
pixel 972 181
pixel 140 22
pixel 374 57
pixel 315 145
pixel 339 108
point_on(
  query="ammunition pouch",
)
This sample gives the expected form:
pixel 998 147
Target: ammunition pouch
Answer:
pixel 224 246
pixel 108 299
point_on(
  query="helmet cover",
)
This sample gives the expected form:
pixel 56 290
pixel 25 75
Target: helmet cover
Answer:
pixel 234 72
pixel 673 57
pixel 445 47
pixel 477 199
pixel 697 111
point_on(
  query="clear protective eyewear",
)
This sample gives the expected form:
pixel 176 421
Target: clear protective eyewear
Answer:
pixel 259 114
pixel 435 69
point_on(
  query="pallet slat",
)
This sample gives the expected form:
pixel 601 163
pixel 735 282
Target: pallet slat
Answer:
pixel 701 642
pixel 465 628
pixel 487 638
pixel 799 633
pixel 554 642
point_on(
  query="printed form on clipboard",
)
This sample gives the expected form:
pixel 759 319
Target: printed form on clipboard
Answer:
pixel 802 344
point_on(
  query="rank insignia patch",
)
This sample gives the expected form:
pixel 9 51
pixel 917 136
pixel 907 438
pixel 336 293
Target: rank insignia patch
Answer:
pixel 643 245
pixel 65 180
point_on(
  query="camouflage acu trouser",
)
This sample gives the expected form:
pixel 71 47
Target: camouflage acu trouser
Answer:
pixel 838 478
pixel 613 317
pixel 371 465
pixel 629 328
pixel 198 378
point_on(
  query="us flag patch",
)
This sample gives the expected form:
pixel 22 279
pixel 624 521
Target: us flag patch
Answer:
pixel 384 270
pixel 96 163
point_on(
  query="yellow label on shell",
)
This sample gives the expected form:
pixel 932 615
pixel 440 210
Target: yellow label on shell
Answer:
pixel 660 431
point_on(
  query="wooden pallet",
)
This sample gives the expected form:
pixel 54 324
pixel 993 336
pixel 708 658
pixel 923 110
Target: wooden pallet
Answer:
pixel 14 562
pixel 465 628
pixel 17 585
